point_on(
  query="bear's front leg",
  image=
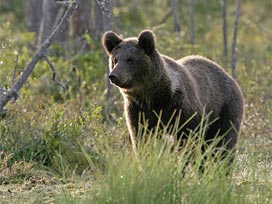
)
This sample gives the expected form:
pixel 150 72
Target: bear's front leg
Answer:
pixel 132 112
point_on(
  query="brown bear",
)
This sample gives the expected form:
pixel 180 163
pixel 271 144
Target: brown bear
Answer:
pixel 163 89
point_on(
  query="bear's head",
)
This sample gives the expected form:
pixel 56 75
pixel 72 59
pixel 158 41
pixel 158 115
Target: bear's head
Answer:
pixel 130 59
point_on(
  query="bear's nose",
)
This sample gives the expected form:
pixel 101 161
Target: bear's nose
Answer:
pixel 113 78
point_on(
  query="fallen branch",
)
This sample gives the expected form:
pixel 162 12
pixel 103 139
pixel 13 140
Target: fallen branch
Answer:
pixel 12 93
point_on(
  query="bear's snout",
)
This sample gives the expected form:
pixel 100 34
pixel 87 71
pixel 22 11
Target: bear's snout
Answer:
pixel 120 80
pixel 115 79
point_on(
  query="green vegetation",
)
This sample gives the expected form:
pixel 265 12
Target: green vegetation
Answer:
pixel 72 146
pixel 155 176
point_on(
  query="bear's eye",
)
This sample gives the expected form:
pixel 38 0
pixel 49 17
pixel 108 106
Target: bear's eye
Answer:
pixel 129 61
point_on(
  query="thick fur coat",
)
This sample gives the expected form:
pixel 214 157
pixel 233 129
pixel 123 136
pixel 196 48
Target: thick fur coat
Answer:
pixel 156 86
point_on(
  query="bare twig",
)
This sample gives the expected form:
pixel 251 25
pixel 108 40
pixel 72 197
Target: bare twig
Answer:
pixel 75 71
pixel 165 17
pixel 15 69
pixel 13 92
pixel 104 9
pixel 234 39
pixel 54 73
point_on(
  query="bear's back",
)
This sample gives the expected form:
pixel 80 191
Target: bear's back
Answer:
pixel 202 68
pixel 212 81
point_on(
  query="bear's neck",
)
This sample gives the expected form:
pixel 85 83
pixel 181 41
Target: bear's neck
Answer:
pixel 156 95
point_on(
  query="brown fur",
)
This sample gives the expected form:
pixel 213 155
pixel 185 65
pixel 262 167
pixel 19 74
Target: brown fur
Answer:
pixel 151 82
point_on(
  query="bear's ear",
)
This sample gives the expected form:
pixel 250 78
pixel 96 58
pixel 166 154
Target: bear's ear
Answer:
pixel 147 41
pixel 110 40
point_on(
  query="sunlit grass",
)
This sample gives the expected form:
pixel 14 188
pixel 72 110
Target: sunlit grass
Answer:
pixel 160 172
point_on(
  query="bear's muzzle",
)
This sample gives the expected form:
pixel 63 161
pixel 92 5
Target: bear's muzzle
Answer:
pixel 114 79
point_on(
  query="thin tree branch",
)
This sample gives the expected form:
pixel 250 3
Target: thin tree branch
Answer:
pixel 166 16
pixel 13 92
pixel 15 69
pixel 54 73
pixel 103 8
pixel 234 39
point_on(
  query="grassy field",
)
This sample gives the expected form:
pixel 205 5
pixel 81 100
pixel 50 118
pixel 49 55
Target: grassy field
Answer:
pixel 72 147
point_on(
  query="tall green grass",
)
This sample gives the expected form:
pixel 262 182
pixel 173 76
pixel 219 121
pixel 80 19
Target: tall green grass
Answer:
pixel 159 172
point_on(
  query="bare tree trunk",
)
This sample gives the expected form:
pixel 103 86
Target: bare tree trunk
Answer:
pixel 108 26
pixel 108 15
pixel 225 33
pixel 82 18
pixel 234 39
pixel 192 21
pixel 50 16
pixel 117 3
pixel 33 12
pixel 174 13
pixel 103 17
pixel 99 21
pixel 103 22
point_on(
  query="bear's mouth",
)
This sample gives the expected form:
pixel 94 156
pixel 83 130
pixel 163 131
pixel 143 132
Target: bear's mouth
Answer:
pixel 115 80
pixel 120 84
